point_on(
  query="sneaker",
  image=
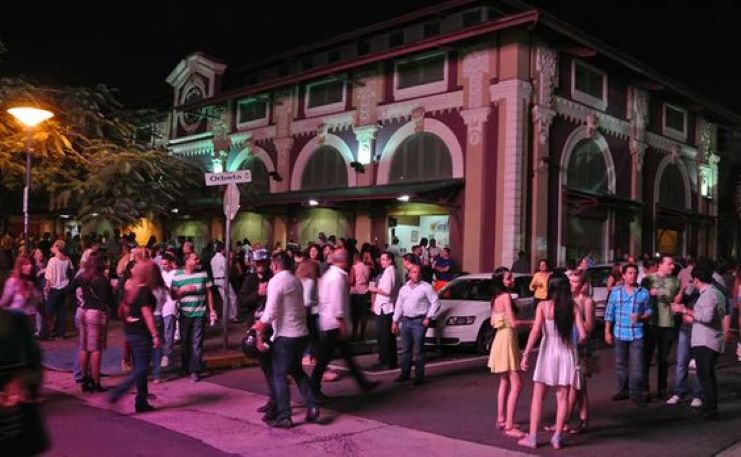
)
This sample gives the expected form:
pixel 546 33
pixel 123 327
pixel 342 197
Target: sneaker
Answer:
pixel 165 362
pixel 696 403
pixel 692 365
pixel 673 400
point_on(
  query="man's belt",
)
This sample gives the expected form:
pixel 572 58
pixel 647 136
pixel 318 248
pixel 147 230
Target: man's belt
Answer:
pixel 421 316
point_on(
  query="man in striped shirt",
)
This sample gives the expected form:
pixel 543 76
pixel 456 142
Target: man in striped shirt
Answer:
pixel 627 311
pixel 192 287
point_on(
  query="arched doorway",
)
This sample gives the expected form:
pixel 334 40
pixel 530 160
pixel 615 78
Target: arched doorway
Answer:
pixel 587 176
pixel 672 201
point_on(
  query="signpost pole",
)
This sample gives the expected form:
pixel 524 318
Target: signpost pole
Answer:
pixel 227 284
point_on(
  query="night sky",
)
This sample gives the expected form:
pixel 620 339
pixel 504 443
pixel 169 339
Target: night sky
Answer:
pixel 134 45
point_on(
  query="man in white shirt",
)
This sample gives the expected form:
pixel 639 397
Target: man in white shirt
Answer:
pixel 383 308
pixel 416 306
pixel 334 322
pixel 284 310
pixel 219 270
pixel 168 265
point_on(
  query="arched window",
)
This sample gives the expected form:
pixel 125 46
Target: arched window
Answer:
pixel 260 180
pixel 325 169
pixel 587 169
pixel 421 157
pixel 671 189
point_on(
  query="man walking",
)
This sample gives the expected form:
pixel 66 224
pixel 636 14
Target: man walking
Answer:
pixel 660 334
pixel 707 334
pixel 219 270
pixel 193 289
pixel 627 310
pixel 383 307
pixel 284 310
pixel 416 306
pixel 334 322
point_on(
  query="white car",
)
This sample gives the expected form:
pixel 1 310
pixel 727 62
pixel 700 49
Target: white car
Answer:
pixel 466 310
pixel 597 278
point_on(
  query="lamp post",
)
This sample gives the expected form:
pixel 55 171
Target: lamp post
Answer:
pixel 29 117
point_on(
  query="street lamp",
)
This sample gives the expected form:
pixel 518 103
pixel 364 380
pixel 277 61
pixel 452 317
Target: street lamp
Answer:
pixel 29 117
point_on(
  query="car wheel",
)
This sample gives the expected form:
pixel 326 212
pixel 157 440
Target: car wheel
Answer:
pixel 485 338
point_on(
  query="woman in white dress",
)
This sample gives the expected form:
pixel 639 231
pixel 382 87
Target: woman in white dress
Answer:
pixel 557 365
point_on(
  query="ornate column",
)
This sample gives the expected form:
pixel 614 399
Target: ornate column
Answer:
pixel 546 62
pixel 475 73
pixel 637 114
pixel 513 97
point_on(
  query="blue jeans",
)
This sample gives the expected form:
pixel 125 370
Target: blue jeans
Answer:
pixel 286 359
pixel 191 343
pixel 629 366
pixel 55 306
pixel 141 350
pixel 158 351
pixel 682 369
pixel 76 370
pixel 412 336
pixel 169 330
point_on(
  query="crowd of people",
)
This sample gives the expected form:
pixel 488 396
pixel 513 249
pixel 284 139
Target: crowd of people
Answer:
pixel 651 308
pixel 302 306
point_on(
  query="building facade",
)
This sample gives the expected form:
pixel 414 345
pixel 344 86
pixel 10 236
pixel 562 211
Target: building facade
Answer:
pixel 491 128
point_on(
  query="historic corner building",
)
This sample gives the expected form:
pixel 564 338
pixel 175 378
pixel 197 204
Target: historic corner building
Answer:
pixel 489 127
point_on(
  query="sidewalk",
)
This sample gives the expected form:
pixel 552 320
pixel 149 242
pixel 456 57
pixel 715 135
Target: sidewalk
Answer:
pixel 226 419
pixel 59 355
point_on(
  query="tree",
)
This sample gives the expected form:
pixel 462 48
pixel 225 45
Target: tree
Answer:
pixel 94 152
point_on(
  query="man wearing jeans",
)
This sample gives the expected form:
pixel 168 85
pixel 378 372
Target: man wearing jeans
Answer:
pixel 707 334
pixel 416 306
pixel 193 288
pixel 383 307
pixel 690 296
pixel 284 310
pixel 169 309
pixel 627 310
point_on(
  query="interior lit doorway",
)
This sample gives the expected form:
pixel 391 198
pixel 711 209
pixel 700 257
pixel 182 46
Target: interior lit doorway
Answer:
pixel 410 222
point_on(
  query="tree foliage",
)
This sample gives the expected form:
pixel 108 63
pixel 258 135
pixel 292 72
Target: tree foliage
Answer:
pixel 94 153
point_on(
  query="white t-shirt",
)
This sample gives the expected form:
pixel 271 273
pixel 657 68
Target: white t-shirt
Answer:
pixel 169 306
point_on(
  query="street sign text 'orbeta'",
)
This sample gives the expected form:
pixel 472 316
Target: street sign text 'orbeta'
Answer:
pixel 222 179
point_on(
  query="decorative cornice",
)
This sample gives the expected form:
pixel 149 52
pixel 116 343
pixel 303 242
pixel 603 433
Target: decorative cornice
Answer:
pixel 336 122
pixel 192 149
pixel 402 111
pixel 667 145
pixel 576 112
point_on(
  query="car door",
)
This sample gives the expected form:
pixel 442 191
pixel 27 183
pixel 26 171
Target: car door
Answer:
pixel 525 302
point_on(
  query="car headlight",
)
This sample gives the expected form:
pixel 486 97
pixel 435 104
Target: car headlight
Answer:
pixel 460 320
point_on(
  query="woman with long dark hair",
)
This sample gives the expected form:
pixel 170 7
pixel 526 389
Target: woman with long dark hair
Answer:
pixel 504 358
pixel 557 365
pixel 97 299
pixel 137 308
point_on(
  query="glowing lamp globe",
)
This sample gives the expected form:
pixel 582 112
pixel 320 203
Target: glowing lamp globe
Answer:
pixel 30 117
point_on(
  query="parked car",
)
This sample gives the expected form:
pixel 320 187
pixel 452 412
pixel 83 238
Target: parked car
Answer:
pixel 466 310
pixel 597 278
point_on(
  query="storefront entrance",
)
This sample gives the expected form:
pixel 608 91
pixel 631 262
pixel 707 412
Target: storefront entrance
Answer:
pixel 410 222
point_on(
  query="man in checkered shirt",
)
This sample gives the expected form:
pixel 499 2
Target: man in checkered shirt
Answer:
pixel 627 311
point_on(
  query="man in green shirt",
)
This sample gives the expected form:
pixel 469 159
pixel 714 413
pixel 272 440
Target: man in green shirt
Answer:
pixel 192 288
pixel 664 289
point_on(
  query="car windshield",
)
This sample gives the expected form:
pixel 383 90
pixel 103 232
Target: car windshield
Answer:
pixel 468 289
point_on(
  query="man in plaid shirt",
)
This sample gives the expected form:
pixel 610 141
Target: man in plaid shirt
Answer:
pixel 627 311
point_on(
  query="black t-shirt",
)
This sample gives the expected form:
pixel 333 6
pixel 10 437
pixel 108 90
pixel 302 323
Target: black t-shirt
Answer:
pixel 135 324
pixel 96 294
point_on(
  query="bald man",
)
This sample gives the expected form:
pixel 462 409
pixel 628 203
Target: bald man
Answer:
pixel 334 322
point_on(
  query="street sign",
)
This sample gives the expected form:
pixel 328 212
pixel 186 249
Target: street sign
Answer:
pixel 231 201
pixel 222 179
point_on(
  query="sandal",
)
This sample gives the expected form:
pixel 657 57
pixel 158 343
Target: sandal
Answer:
pixel 552 428
pixel 581 428
pixel 528 441
pixel 557 442
pixel 501 424
pixel 514 432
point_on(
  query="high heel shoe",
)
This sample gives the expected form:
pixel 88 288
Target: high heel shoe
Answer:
pixel 87 384
pixel 557 442
pixel 581 428
pixel 97 388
